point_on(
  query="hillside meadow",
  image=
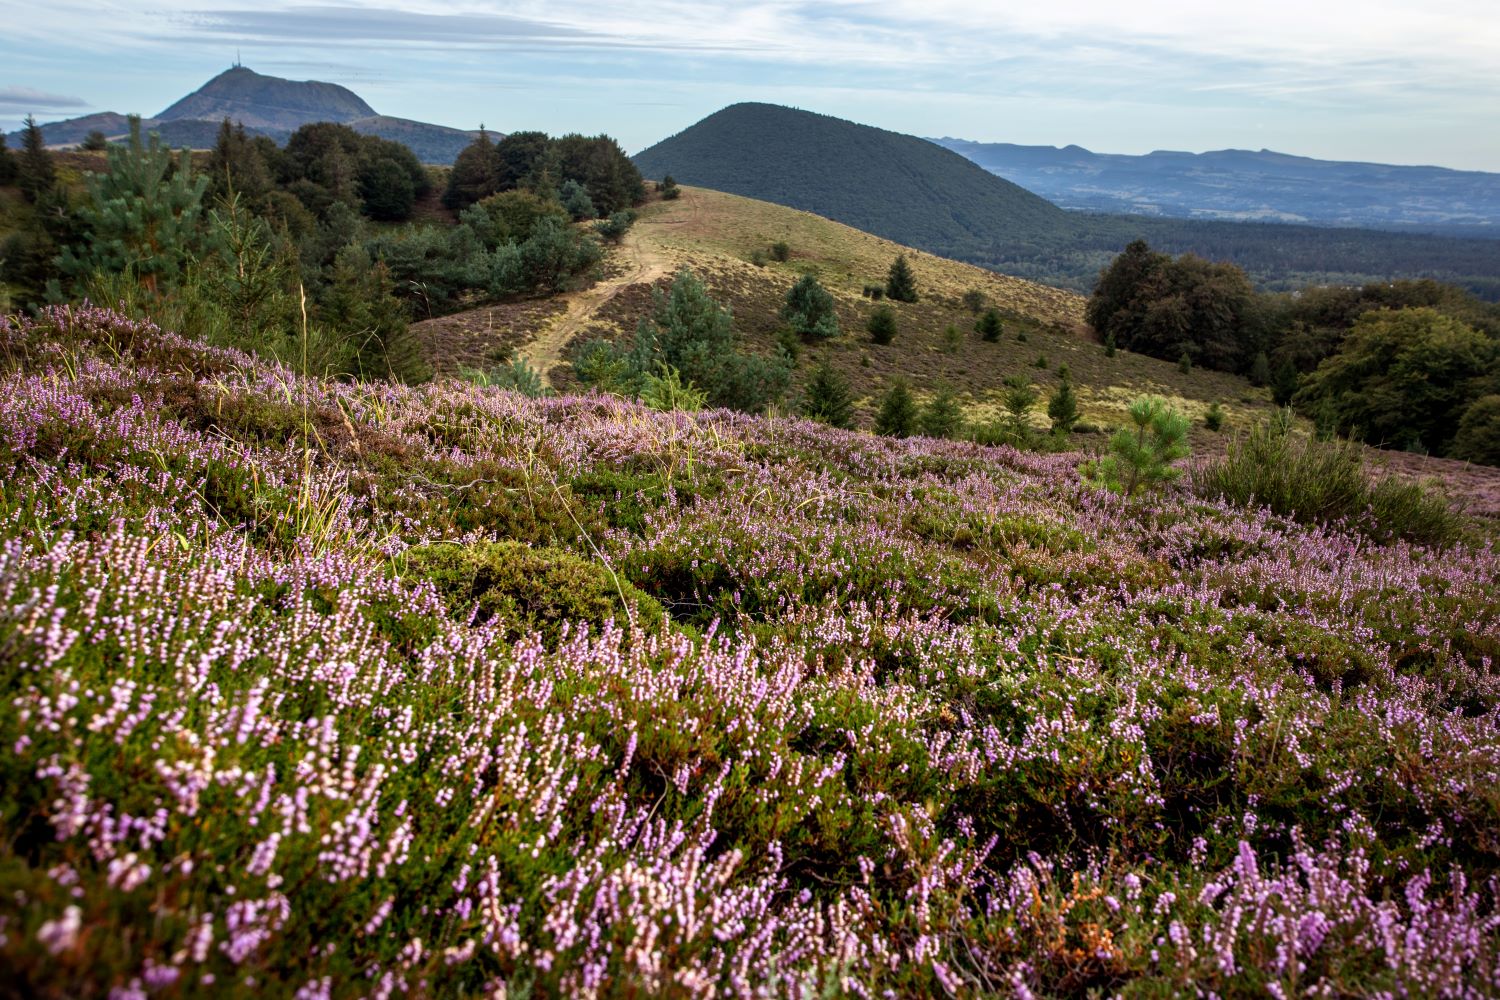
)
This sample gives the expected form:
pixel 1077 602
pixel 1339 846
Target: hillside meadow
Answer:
pixel 321 688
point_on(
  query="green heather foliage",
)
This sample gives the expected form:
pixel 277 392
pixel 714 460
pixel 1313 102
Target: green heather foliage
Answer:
pixel 898 415
pixel 900 283
pixel 528 589
pixel 1062 408
pixel 989 325
pixel 1402 378
pixel 1323 482
pixel 1478 437
pixel 882 325
pixel 942 416
pixel 143 217
pixel 828 397
pixel 809 309
pixel 307 689
pixel 1141 454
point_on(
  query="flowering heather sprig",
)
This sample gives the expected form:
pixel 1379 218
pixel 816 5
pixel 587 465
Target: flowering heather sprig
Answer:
pixel 928 717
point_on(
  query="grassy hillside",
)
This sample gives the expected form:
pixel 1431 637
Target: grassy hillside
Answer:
pixel 319 689
pixel 918 193
pixel 716 235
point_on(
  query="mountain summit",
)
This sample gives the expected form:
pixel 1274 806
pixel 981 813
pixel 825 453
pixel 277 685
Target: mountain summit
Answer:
pixel 886 183
pixel 267 102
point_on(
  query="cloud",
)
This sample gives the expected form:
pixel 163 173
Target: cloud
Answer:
pixel 27 99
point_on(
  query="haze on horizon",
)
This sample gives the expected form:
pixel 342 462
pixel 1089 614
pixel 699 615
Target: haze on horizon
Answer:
pixel 1378 80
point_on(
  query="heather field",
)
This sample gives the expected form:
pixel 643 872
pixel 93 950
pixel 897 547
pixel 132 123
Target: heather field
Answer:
pixel 321 689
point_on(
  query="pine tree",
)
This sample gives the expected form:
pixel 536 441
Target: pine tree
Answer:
pixel 1142 453
pixel 942 417
pixel 36 173
pixel 989 326
pixel 898 415
pixel 1285 383
pixel 882 325
pixel 475 173
pixel 575 198
pixel 809 309
pixel 1260 370
pixel 900 283
pixel 1109 345
pixel 236 166
pixel 8 165
pixel 143 217
pixel 1062 408
pixel 828 397
pixel 1019 397
pixel 1184 363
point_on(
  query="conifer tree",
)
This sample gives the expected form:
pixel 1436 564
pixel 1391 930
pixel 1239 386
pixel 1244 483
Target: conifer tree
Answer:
pixel 7 164
pixel 143 217
pixel 1260 370
pixel 828 397
pixel 900 283
pixel 942 417
pixel 1062 408
pixel 1142 453
pixel 1019 398
pixel 882 325
pixel 475 173
pixel 809 309
pixel 898 415
pixel 36 173
pixel 989 325
pixel 575 198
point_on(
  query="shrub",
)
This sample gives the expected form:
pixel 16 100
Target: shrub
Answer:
pixel 516 375
pixel 1184 363
pixel 1041 361
pixel 1142 453
pixel 1324 482
pixel 1214 418
pixel 1478 437
pixel 882 325
pixel 575 199
pixel 989 326
pixel 876 292
pixel 94 142
pixel 668 189
pixel 952 339
pixel 828 397
pixel 1109 345
pixel 665 390
pixel 897 416
pixel 781 252
pixel 974 300
pixel 530 589
pixel 809 309
pixel 614 228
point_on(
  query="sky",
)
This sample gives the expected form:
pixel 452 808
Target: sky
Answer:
pixel 1376 80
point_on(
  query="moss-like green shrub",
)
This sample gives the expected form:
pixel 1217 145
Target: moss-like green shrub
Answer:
pixel 531 589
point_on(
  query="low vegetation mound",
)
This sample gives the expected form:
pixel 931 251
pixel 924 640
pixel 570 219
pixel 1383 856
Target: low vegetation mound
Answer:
pixel 294 700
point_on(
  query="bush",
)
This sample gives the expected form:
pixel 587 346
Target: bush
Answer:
pixel 668 189
pixel 1478 437
pixel 614 228
pixel 516 375
pixel 666 391
pixel 952 339
pixel 781 252
pixel 95 142
pixel 1041 361
pixel 1323 482
pixel 531 589
pixel 1184 363
pixel 974 300
pixel 882 325
pixel 1142 453
pixel 876 292
pixel 1214 418
pixel 575 199
pixel 898 416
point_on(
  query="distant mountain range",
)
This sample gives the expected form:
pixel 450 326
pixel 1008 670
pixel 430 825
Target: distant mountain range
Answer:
pixel 1244 185
pixel 265 105
pixel 917 192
